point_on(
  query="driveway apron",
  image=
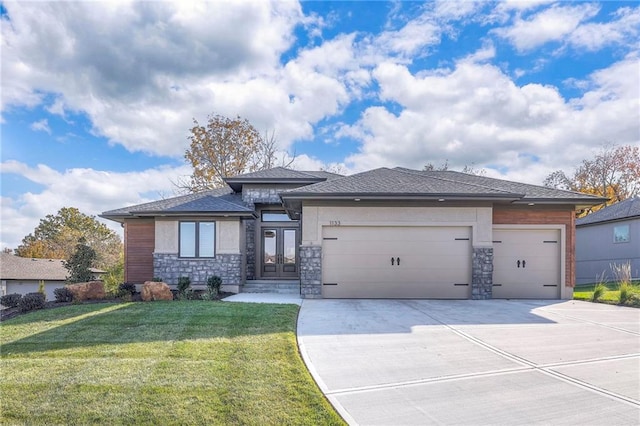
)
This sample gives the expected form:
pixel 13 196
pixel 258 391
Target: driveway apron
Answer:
pixel 395 362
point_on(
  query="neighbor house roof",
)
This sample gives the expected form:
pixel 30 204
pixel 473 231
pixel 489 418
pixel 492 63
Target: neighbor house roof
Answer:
pixel 401 183
pixel 623 210
pixel 26 268
pixel 280 175
pixel 221 201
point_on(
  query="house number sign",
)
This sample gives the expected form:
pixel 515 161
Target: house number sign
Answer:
pixel 334 223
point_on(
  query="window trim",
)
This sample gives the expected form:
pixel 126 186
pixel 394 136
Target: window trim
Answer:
pixel 196 241
pixel 628 234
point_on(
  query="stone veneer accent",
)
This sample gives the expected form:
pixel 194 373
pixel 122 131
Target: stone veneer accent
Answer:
pixel 170 267
pixel 261 195
pixel 311 271
pixel 250 248
pixel 482 274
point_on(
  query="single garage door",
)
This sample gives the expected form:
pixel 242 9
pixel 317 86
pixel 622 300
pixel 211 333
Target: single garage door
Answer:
pixel 396 262
pixel 526 264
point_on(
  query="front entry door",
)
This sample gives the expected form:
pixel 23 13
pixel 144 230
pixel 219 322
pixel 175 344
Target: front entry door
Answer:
pixel 279 252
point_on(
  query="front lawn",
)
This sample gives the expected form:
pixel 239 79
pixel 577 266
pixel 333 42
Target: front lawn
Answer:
pixel 190 362
pixel 611 295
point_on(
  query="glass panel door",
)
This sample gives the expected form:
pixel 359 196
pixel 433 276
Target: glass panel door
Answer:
pixel 269 252
pixel 279 252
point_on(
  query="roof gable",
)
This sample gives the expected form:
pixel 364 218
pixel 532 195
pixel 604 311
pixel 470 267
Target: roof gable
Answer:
pixel 627 209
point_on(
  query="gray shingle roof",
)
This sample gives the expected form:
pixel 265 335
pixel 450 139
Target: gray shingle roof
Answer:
pixel 221 200
pixel 386 181
pixel 626 209
pixel 447 184
pixel 529 191
pixel 279 175
pixel 25 268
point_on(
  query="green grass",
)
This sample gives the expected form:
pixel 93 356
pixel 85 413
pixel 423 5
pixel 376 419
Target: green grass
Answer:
pixel 165 363
pixel 611 295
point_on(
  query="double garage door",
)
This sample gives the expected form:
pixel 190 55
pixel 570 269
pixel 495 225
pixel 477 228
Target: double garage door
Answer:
pixel 397 262
pixel 435 263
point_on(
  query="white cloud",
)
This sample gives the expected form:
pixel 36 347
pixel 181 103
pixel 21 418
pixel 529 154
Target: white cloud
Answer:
pixel 552 24
pixel 91 191
pixel 41 126
pixel 596 35
pixel 475 114
pixel 142 70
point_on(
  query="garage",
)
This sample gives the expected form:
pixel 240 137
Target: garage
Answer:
pixel 396 262
pixel 526 264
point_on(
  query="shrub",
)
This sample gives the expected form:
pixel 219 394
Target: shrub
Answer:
pixel 126 289
pixel 32 301
pixel 208 295
pixel 187 294
pixel 598 292
pixel 10 300
pixel 633 300
pixel 183 284
pixel 156 279
pixel 63 294
pixel 213 284
pixel 625 291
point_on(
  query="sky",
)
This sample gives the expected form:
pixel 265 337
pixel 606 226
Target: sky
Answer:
pixel 97 98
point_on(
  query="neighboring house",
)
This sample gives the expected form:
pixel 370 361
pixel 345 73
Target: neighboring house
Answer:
pixel 385 233
pixel 609 236
pixel 22 275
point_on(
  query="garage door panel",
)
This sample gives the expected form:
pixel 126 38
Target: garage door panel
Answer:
pixel 539 276
pixel 357 262
pixel 395 290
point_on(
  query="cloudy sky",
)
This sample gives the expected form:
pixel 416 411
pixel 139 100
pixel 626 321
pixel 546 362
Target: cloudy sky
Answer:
pixel 98 98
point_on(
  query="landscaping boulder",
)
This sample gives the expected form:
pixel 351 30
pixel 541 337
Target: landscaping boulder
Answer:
pixel 92 290
pixel 153 290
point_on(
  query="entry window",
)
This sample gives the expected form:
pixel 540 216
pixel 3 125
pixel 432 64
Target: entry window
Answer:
pixel 621 234
pixel 197 239
pixel 275 216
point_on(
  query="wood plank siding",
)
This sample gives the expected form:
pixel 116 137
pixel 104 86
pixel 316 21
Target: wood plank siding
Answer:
pixel 139 243
pixel 567 217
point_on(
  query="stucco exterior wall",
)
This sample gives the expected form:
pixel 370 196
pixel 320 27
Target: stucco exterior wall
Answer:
pixel 315 217
pixel 596 251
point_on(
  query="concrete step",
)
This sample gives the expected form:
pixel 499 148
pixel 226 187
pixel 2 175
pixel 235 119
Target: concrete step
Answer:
pixel 268 286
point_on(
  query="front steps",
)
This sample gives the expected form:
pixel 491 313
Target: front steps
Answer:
pixel 272 286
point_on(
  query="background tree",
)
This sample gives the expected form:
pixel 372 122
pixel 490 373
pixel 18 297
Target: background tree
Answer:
pixel 468 169
pixel 613 173
pixel 80 262
pixel 57 235
pixel 114 276
pixel 227 147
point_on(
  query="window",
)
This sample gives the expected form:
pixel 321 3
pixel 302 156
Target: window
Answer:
pixel 275 216
pixel 197 239
pixel 621 234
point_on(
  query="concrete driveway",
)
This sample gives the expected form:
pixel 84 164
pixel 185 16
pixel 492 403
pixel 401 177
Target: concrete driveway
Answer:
pixel 396 362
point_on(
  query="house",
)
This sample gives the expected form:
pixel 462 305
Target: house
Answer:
pixel 384 233
pixel 609 236
pixel 22 275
